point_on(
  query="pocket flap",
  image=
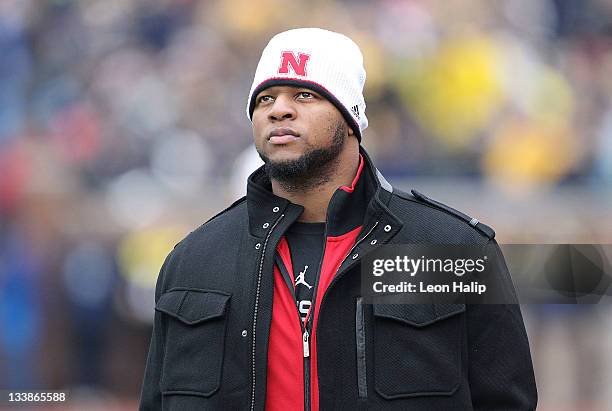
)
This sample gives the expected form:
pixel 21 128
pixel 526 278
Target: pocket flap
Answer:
pixel 417 315
pixel 192 306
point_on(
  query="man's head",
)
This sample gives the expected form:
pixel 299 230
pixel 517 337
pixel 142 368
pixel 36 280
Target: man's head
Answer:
pixel 306 104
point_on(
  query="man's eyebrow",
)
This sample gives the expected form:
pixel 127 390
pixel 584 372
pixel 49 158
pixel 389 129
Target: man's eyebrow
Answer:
pixel 270 91
pixel 304 89
pixel 262 94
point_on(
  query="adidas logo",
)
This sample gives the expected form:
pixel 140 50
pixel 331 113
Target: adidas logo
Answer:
pixel 355 110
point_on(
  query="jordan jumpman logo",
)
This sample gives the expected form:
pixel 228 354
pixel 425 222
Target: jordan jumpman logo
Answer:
pixel 300 278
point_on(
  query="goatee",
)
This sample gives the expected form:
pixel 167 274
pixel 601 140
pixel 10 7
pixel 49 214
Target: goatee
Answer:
pixel 315 167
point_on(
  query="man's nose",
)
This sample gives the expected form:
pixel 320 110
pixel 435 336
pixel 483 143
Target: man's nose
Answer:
pixel 282 109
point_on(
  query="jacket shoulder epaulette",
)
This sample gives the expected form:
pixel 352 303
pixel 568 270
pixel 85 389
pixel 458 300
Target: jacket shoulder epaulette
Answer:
pixel 483 228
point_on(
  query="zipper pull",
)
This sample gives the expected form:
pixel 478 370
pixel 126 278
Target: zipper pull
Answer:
pixel 306 344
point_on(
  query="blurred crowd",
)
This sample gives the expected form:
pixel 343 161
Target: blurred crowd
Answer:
pixel 123 127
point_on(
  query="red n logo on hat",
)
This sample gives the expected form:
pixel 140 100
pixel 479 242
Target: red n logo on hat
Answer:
pixel 298 65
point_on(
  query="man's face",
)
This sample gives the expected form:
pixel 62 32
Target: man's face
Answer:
pixel 297 132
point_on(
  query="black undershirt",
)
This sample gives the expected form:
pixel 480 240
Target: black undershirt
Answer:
pixel 306 246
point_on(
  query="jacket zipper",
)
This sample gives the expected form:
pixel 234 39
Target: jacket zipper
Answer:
pixel 261 261
pixel 351 250
pixel 345 257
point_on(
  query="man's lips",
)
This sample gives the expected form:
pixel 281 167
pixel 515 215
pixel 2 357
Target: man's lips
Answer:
pixel 282 135
pixel 284 139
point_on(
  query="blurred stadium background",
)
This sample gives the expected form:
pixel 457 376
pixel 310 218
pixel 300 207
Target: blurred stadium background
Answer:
pixel 122 128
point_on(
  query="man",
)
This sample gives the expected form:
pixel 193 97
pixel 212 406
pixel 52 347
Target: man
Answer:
pixel 261 307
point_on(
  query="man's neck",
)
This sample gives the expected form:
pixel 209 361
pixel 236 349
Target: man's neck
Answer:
pixel 316 199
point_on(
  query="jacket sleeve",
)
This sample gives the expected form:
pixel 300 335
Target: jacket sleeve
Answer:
pixel 150 397
pixel 500 370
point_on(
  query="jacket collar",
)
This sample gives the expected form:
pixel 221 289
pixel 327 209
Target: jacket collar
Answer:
pixel 349 207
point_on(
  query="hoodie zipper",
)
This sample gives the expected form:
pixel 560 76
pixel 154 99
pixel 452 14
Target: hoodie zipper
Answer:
pixel 306 347
pixel 261 261
pixel 310 319
pixel 305 337
pixel 308 325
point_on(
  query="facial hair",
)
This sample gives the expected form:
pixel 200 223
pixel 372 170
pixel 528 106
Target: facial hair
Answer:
pixel 313 168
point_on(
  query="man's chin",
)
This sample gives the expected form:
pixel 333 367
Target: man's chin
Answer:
pixel 280 158
pixel 287 168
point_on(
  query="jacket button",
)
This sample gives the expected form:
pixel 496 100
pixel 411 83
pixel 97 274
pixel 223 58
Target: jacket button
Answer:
pixel 373 242
pixel 244 333
pixel 355 256
pixel 275 209
pixel 257 246
pixel 266 225
pixel 387 228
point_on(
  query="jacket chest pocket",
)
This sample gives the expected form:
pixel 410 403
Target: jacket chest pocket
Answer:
pixel 417 349
pixel 195 340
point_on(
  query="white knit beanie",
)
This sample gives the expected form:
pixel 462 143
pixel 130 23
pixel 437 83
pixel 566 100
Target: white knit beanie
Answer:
pixel 326 62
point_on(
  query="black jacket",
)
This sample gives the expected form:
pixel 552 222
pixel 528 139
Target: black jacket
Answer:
pixel 214 303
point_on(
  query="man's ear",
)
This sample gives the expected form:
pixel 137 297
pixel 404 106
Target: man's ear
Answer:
pixel 350 131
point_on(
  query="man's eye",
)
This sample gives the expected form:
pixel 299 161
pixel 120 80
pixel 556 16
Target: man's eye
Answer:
pixel 264 99
pixel 305 94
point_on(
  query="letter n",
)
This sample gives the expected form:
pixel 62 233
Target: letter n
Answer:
pixel 297 65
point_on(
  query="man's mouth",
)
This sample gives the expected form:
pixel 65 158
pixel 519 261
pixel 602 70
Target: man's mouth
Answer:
pixel 282 135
